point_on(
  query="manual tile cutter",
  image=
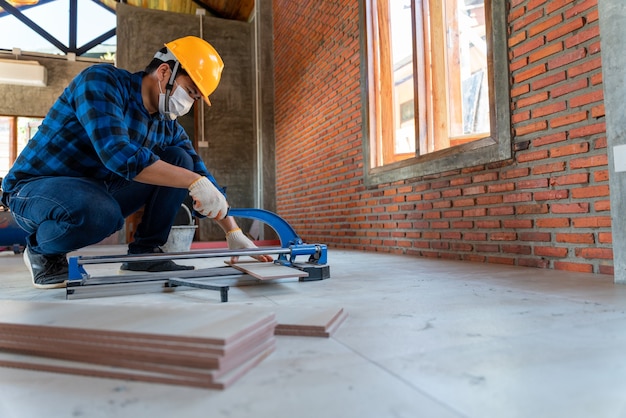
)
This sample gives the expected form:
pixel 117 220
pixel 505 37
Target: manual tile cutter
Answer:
pixel 82 285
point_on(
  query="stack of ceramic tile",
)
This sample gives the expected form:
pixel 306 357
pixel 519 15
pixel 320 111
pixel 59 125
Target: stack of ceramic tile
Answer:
pixel 316 322
pixel 194 345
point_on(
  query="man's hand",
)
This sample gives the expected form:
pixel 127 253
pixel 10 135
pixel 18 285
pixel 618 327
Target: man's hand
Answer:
pixel 207 199
pixel 237 240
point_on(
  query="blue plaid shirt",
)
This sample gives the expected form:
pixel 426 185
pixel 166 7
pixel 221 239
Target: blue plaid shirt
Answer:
pixel 99 128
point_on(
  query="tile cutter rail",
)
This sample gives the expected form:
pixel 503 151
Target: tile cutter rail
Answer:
pixel 82 285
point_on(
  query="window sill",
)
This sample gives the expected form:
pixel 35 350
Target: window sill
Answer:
pixel 482 151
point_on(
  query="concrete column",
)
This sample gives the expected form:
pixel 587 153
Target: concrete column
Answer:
pixel 266 138
pixel 613 36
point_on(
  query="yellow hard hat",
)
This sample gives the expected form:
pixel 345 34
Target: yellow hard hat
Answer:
pixel 201 61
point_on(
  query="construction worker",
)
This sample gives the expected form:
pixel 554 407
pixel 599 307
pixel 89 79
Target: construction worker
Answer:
pixel 109 146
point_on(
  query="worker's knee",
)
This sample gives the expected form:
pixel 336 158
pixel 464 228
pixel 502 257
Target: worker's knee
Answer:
pixel 176 156
pixel 78 223
pixel 102 219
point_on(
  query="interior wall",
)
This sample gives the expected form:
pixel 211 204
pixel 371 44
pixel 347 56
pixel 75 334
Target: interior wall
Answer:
pixel 36 101
pixel 547 207
pixel 229 122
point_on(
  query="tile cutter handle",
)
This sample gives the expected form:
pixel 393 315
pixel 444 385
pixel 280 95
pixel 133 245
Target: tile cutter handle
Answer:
pixel 286 233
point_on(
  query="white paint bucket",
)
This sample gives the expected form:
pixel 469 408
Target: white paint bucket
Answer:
pixel 181 236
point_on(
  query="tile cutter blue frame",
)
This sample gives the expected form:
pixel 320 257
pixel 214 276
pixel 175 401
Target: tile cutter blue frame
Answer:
pixel 81 283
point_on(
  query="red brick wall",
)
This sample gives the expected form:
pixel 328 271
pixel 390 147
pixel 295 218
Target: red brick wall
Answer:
pixel 548 207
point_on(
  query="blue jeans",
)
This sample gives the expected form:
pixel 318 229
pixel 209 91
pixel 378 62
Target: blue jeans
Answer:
pixel 63 214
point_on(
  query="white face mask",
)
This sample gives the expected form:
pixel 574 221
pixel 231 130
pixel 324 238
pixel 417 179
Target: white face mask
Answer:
pixel 176 105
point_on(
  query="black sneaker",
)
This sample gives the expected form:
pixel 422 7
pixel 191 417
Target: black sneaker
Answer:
pixel 47 271
pixel 153 266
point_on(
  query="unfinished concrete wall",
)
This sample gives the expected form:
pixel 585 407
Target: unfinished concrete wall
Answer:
pixel 613 27
pixel 36 101
pixel 264 103
pixel 229 124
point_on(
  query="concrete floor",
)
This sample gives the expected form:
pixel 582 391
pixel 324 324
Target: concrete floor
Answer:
pixel 424 338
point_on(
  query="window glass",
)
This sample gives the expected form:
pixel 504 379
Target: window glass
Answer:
pixel 11 145
pixel 467 69
pixel 54 18
pixel 429 85
pixel 450 35
pixel 403 87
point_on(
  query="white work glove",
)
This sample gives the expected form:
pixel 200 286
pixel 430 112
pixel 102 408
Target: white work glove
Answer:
pixel 207 199
pixel 237 240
